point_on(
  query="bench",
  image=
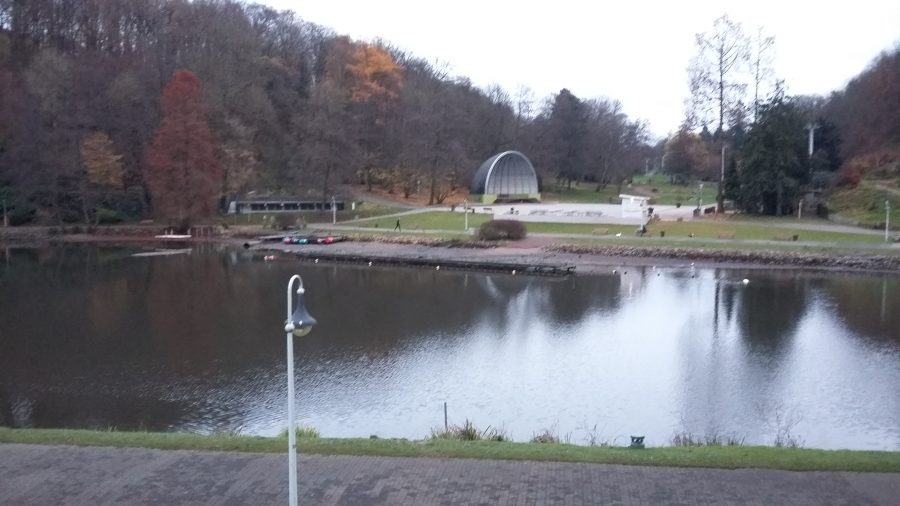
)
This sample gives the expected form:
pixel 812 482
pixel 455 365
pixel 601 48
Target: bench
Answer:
pixel 601 231
pixel 726 234
pixel 786 237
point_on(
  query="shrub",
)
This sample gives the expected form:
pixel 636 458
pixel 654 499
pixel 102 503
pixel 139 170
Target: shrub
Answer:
pixel 284 221
pixel 107 216
pixel 498 230
pixel 303 431
pixel 468 432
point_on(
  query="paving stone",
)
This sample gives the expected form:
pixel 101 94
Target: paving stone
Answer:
pixel 75 476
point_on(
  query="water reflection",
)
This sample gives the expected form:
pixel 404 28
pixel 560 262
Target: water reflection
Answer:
pixel 92 337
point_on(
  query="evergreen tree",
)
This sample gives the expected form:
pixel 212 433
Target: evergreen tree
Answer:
pixel 775 159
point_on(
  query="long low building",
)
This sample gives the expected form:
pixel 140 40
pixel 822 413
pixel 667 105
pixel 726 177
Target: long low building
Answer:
pixel 281 205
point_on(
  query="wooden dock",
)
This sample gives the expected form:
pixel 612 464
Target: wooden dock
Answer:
pixel 529 269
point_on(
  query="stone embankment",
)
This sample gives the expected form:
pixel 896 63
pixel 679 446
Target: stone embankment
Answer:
pixel 856 261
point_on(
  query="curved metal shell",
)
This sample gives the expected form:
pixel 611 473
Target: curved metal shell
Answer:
pixel 507 173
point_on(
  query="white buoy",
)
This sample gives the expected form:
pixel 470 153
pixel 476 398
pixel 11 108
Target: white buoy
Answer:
pixel 437 268
pixel 370 264
pixel 745 281
pixel 317 260
pixel 514 272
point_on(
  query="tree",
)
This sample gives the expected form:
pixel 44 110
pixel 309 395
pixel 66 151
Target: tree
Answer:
pixel 761 66
pixel 182 171
pixel 774 159
pixel 104 171
pixel 713 75
pixel 568 137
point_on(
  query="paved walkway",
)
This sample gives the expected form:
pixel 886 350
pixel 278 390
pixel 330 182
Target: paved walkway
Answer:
pixel 61 475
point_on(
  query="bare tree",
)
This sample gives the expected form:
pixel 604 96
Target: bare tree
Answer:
pixel 714 74
pixel 761 65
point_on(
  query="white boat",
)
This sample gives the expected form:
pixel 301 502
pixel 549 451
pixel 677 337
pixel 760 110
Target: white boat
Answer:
pixel 172 236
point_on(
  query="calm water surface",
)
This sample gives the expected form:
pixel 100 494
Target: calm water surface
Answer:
pixel 95 338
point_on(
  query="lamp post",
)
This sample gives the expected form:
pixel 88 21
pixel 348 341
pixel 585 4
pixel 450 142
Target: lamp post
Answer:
pixel 720 207
pixel 700 198
pixel 887 218
pixel 466 212
pixel 333 211
pixel 299 323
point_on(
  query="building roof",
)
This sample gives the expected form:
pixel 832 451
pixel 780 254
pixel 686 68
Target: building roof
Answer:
pixel 507 173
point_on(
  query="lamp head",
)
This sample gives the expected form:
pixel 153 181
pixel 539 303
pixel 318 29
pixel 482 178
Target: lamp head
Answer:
pixel 301 322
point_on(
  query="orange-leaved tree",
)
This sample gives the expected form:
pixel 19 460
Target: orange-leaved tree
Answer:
pixel 182 171
pixel 375 74
pixel 376 81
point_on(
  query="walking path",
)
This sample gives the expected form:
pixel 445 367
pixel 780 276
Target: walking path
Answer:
pixel 73 476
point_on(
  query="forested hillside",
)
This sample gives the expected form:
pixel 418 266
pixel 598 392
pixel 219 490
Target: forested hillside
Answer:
pixel 291 108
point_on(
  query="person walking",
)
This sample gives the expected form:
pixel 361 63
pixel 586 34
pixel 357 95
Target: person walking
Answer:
pixel 397 227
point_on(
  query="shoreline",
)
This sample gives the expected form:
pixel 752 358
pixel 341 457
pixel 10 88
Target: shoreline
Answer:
pixel 592 259
pixel 431 251
pixel 708 456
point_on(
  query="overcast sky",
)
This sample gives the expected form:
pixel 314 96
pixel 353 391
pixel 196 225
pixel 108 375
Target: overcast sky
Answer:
pixel 633 51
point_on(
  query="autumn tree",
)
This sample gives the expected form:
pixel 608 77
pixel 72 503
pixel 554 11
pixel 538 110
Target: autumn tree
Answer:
pixel 104 172
pixel 182 171
pixel 377 81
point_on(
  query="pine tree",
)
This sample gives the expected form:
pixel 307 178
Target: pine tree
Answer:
pixel 182 170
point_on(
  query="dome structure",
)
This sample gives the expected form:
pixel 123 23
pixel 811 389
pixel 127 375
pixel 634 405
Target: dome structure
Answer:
pixel 505 177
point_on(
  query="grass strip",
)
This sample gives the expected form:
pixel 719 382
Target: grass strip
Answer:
pixel 722 457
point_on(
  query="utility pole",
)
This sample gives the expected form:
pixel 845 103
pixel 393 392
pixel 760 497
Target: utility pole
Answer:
pixel 720 208
pixel 333 211
pixel 812 129
pixel 887 219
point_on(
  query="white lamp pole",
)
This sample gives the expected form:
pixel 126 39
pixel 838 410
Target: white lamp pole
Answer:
pixel 333 211
pixel 466 212
pixel 299 323
pixel 887 218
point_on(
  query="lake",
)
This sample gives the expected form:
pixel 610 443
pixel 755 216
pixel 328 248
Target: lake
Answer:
pixel 93 337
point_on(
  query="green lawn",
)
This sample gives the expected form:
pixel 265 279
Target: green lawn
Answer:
pixel 433 220
pixel 656 187
pixel 707 230
pixel 711 230
pixel 701 229
pixel 583 193
pixel 723 457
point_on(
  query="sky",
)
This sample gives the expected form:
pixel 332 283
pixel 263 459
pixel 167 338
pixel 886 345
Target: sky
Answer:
pixel 634 51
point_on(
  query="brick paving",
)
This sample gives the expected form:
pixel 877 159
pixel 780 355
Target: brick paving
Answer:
pixel 73 476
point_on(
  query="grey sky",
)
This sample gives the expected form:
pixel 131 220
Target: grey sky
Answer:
pixel 634 51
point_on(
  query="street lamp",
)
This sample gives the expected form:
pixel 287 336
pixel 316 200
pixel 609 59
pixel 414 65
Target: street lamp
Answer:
pixel 466 212
pixel 299 323
pixel 333 211
pixel 720 198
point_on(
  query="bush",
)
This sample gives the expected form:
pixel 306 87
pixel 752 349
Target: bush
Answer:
pixel 107 216
pixel 284 221
pixel 498 230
